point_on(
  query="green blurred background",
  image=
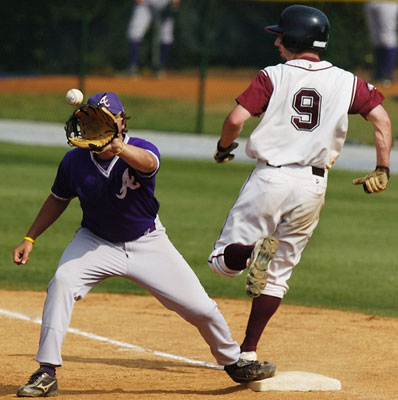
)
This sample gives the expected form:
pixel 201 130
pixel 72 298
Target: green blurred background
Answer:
pixel 219 45
pixel 45 36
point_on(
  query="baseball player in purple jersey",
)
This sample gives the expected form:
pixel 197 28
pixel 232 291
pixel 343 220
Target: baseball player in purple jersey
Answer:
pixel 305 104
pixel 120 235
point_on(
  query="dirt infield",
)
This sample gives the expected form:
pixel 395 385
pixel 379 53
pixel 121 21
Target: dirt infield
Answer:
pixel 359 350
pixel 177 87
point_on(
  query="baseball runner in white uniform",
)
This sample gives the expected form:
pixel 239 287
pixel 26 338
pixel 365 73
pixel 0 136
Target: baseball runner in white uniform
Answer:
pixel 305 104
pixel 382 20
pixel 120 235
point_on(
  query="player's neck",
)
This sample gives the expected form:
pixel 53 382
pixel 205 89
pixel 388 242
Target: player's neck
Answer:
pixel 308 55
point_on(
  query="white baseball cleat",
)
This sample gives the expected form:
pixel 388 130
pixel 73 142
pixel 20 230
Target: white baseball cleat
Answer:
pixel 257 265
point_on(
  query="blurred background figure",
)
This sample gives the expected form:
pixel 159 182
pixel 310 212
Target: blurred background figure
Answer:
pixel 161 14
pixel 382 19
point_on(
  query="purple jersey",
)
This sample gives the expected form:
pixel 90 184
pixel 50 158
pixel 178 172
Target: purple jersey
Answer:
pixel 118 202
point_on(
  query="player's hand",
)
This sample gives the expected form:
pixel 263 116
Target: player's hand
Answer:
pixel 374 182
pixel 114 148
pixel 21 253
pixel 223 154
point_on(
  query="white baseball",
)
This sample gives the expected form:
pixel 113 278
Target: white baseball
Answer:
pixel 74 97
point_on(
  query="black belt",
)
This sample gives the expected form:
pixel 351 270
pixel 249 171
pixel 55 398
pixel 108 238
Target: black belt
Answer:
pixel 318 171
pixel 315 170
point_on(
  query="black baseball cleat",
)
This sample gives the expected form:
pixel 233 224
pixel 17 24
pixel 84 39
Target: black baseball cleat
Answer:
pixel 247 371
pixel 40 384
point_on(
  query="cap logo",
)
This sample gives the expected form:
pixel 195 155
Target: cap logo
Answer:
pixel 104 100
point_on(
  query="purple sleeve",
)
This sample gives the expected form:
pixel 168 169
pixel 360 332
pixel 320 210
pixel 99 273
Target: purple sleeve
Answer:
pixel 144 144
pixel 256 97
pixel 62 184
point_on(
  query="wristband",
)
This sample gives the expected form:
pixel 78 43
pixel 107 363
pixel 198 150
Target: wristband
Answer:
pixel 29 239
pixel 227 149
pixel 385 169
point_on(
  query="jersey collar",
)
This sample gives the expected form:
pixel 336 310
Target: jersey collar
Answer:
pixel 107 171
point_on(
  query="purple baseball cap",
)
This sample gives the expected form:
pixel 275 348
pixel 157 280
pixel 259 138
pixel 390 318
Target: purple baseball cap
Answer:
pixel 109 100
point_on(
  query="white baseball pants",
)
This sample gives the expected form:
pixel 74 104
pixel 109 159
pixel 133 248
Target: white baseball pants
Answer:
pixel 285 202
pixel 382 18
pixel 143 15
pixel 151 261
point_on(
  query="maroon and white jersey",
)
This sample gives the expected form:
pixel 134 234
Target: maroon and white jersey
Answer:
pixel 306 103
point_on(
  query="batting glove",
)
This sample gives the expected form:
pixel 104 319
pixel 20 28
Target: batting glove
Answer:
pixel 223 154
pixel 374 182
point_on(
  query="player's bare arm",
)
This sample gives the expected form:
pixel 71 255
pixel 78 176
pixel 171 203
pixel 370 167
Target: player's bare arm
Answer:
pixel 382 134
pixel 139 159
pixel 233 125
pixel 377 180
pixel 49 213
pixel 231 129
pixel 136 157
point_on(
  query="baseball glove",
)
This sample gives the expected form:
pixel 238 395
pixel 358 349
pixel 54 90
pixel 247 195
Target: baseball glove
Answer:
pixel 374 182
pixel 91 127
pixel 223 154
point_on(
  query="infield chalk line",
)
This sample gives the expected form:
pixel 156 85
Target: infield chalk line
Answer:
pixel 123 345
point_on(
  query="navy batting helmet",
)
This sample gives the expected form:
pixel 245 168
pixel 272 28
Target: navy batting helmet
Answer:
pixel 303 28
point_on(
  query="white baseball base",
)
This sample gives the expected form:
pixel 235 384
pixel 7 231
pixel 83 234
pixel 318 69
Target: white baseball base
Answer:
pixel 296 381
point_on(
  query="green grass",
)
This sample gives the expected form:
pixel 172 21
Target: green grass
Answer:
pixel 162 114
pixel 350 263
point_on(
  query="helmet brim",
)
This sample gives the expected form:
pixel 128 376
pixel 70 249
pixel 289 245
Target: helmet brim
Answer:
pixel 274 29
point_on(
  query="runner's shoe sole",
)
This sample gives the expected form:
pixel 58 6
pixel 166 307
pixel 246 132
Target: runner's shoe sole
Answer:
pixel 257 274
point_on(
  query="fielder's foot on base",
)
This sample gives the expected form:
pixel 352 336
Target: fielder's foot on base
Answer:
pixel 40 384
pixel 258 264
pixel 247 371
